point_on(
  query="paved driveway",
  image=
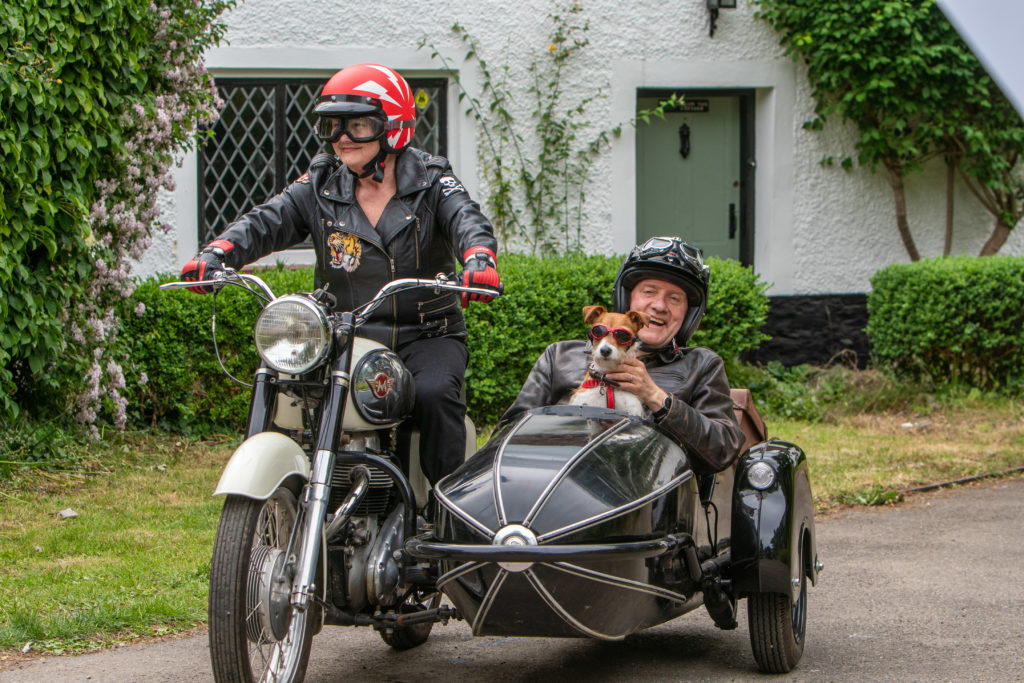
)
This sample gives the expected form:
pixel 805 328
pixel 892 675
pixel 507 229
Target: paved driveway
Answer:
pixel 931 590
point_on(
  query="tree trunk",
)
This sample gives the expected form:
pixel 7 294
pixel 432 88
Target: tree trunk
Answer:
pixel 947 246
pixel 899 193
pixel 996 239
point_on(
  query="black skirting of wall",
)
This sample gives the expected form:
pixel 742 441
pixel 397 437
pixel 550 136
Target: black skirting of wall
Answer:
pixel 816 329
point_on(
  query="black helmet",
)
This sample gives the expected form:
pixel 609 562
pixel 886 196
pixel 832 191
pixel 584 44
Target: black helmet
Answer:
pixel 666 258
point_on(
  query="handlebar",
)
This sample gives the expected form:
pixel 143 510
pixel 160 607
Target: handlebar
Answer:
pixel 439 283
pixel 247 281
pixel 228 276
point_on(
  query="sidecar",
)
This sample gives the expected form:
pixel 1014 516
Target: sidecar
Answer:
pixel 575 521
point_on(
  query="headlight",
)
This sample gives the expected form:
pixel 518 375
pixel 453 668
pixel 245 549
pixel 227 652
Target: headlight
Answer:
pixel 292 335
pixel 760 475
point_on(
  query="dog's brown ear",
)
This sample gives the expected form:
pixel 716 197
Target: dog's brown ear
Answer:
pixel 592 313
pixel 639 319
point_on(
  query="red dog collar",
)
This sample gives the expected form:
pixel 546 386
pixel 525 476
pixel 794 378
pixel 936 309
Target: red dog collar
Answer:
pixel 590 383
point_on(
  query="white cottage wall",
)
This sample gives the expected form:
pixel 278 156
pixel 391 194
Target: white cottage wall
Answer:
pixel 817 229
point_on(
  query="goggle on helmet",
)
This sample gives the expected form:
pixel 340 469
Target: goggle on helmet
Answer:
pixel 368 100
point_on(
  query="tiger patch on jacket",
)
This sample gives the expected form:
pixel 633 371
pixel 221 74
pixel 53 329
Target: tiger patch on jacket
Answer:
pixel 346 251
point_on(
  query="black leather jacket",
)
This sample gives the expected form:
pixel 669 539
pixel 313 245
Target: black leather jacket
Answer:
pixel 429 222
pixel 700 418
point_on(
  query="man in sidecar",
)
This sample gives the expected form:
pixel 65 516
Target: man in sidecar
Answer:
pixel 684 388
pixel 375 210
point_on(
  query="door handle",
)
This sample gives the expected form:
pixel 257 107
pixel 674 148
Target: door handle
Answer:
pixel 684 140
pixel 732 221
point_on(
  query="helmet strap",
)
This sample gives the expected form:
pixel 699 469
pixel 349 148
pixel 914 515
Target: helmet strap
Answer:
pixel 375 168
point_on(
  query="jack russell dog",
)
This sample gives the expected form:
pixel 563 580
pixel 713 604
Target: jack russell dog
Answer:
pixel 614 339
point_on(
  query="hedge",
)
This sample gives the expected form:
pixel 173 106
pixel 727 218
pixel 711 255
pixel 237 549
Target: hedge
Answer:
pixel 185 389
pixel 952 319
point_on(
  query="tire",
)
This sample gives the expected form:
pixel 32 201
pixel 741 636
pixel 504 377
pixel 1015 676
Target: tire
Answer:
pixel 408 637
pixel 240 648
pixel 778 627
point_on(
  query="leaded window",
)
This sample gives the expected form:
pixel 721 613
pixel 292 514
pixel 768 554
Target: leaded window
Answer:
pixel 264 140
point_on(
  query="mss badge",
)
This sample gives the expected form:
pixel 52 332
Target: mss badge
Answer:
pixel 346 251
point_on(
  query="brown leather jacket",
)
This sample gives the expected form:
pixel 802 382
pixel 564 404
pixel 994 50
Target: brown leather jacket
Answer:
pixel 701 417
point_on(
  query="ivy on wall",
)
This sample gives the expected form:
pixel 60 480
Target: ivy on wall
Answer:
pixel 95 99
pixel 898 70
pixel 536 170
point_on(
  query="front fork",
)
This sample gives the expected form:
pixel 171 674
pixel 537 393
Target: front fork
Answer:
pixel 318 491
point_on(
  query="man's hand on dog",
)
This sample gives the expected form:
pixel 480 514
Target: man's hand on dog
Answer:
pixel 632 376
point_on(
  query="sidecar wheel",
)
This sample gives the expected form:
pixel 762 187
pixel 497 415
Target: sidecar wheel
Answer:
pixel 253 638
pixel 777 628
pixel 408 637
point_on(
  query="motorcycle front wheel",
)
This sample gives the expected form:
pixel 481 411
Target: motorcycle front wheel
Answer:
pixel 255 635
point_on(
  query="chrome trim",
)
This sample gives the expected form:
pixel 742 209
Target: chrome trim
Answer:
pixel 457 511
pixel 619 582
pixel 488 601
pixel 342 379
pixel 499 504
pixel 567 467
pixel 318 492
pixel 323 464
pixel 361 483
pixel 615 512
pixel 560 611
pixel 514 535
pixel 456 573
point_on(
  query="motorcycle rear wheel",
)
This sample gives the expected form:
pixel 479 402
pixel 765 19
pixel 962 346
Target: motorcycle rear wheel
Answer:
pixel 240 647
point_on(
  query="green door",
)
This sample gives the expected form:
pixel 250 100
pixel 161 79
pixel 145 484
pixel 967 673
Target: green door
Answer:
pixel 688 174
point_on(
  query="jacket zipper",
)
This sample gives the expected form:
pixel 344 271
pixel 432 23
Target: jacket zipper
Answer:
pixel 394 306
pixel 417 243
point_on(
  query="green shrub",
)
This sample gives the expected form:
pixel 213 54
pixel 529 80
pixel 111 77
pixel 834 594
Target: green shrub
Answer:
pixel 951 320
pixel 97 99
pixel 813 393
pixel 185 389
pixel 175 381
pixel 737 309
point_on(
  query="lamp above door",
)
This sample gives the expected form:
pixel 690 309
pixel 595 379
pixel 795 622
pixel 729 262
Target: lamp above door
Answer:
pixel 713 7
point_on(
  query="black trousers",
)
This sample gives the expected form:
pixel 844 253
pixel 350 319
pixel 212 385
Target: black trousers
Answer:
pixel 438 366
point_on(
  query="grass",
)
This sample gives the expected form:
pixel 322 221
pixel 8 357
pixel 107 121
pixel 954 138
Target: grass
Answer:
pixel 866 459
pixel 134 563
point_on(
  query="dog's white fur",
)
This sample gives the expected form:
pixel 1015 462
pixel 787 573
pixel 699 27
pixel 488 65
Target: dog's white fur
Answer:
pixel 606 357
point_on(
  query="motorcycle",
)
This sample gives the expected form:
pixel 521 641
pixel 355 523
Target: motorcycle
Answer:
pixel 571 521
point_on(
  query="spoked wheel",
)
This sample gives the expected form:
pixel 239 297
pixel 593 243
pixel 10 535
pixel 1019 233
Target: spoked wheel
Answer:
pixel 777 628
pixel 407 637
pixel 255 635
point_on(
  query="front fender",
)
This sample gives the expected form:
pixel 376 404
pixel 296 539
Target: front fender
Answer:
pixel 773 530
pixel 261 464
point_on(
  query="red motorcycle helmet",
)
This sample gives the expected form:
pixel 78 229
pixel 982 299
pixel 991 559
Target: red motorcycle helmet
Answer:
pixel 371 90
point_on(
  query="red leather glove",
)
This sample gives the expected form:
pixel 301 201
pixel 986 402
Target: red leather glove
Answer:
pixel 479 269
pixel 205 265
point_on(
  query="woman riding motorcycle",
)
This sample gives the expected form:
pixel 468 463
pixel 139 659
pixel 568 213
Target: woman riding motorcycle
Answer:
pixel 376 210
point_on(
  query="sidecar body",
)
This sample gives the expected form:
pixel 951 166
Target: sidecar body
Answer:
pixel 580 521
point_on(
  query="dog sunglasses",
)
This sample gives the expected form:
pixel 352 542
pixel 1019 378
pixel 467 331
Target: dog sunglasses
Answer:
pixel 621 335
